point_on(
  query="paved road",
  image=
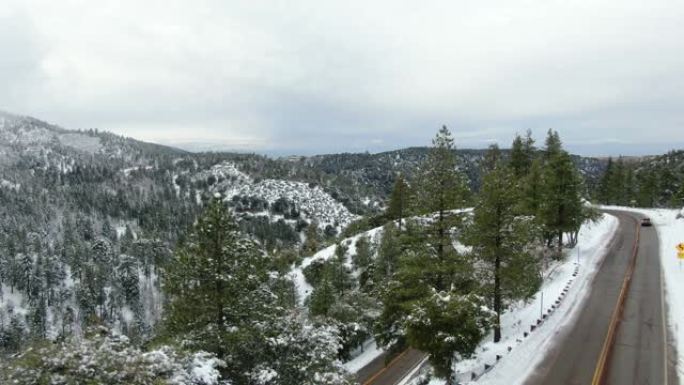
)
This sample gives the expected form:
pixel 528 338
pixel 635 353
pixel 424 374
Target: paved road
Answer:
pixel 638 355
pixel 377 373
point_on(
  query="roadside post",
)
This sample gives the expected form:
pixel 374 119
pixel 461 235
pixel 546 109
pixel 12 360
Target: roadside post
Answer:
pixel 680 254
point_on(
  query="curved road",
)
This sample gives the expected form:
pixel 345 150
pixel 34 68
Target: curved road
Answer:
pixel 640 354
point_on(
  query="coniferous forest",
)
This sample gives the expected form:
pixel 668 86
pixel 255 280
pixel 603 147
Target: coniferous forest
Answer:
pixel 123 262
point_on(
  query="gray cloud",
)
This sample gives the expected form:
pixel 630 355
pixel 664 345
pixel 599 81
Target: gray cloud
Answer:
pixel 311 76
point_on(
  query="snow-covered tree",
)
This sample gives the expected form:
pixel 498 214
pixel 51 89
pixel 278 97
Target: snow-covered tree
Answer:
pixel 299 352
pixel 103 357
pixel 501 242
pixel 442 187
pixel 216 283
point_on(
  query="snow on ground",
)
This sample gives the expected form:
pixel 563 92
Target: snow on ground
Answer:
pixel 370 352
pixel 77 140
pixel 11 301
pixel 670 231
pixel 127 171
pixel 9 185
pixel 297 273
pixel 311 200
pixel 526 351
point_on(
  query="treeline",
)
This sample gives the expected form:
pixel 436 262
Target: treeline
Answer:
pixel 651 182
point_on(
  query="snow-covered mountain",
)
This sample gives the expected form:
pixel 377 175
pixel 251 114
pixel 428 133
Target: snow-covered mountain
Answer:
pixel 88 219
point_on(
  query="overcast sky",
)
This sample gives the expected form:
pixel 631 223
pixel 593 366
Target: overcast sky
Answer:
pixel 320 76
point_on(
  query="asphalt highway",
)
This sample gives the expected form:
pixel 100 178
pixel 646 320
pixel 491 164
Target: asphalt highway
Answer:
pixel 639 352
pixel 377 372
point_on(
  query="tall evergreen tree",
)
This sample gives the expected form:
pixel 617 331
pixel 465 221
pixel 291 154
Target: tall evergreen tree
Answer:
pixel 649 186
pixel 388 254
pixel 605 190
pixel 217 290
pixel 362 260
pixel 397 207
pixel 522 154
pixel 500 240
pixel 561 210
pixel 532 189
pixel 617 184
pixel 553 144
pixel 310 245
pixel 427 301
pixel 442 187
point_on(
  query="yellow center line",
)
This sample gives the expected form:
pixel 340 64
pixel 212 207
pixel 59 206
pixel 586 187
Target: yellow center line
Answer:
pixel 599 373
pixel 394 361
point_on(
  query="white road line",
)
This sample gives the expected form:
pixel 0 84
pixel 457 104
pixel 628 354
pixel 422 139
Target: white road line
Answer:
pixel 662 312
pixel 409 376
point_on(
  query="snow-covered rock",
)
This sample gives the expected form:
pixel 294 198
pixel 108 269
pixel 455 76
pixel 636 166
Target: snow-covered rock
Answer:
pixel 312 201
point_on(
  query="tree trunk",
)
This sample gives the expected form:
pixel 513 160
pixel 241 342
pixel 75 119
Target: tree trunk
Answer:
pixel 497 279
pixel 401 209
pixel 440 246
pixel 497 301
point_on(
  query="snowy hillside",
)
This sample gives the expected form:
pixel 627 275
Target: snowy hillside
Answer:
pixel 25 138
pixel 33 135
pixel 304 289
pixel 312 201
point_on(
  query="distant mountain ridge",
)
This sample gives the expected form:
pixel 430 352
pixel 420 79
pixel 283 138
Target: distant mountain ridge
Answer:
pixel 360 181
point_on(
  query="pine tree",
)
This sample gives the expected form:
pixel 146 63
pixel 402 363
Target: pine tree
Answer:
pixel 338 272
pixel 397 207
pixel 617 184
pixel 561 210
pixel 522 154
pixel 649 186
pixel 108 231
pixel 500 240
pixel 445 325
pixel 553 145
pixel 362 260
pixel 532 189
pixel 364 253
pixel 310 245
pixel 216 284
pixel 442 187
pixel 127 274
pixel 431 306
pixel 388 254
pixel 301 353
pixel 630 187
pixel 322 298
pixel 605 190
